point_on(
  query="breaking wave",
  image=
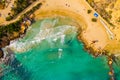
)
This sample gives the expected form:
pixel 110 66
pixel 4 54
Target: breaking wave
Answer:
pixel 42 30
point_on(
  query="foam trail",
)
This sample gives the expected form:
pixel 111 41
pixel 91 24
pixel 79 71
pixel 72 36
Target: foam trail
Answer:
pixel 62 39
pixel 60 53
pixel 46 31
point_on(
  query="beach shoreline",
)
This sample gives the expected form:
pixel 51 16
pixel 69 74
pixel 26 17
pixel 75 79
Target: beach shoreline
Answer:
pixel 85 46
pixel 92 34
pixel 91 31
pixel 81 25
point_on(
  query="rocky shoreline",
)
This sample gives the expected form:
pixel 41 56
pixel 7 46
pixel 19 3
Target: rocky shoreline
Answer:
pixel 110 58
pixel 89 49
pixel 6 40
pixel 23 23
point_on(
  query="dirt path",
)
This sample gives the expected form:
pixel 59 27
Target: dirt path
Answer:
pixel 4 12
pixel 23 12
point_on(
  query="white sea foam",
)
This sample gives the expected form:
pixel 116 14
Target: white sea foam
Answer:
pixel 60 53
pixel 60 49
pixel 50 34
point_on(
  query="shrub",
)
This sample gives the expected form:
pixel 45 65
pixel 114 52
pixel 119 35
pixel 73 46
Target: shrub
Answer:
pixel 89 11
pixel 9 18
pixel 94 20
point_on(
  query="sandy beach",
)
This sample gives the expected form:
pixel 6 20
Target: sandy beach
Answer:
pixel 95 35
pixel 77 10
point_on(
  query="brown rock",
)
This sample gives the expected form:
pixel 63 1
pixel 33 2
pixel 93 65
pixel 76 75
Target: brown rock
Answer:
pixel 1 53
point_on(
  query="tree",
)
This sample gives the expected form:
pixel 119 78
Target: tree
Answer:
pixel 89 11
pixel 94 20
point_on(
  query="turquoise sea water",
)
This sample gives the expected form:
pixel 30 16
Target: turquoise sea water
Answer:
pixel 51 51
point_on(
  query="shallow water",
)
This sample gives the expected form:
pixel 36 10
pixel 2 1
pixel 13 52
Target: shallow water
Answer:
pixel 52 52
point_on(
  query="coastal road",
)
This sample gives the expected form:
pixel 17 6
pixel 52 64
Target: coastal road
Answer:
pixel 107 29
pixel 103 22
pixel 23 12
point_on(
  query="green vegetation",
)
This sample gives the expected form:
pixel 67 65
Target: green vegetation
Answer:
pixel 2 4
pixel 89 11
pixel 33 9
pixel 19 6
pixel 110 12
pixel 118 19
pixel 101 10
pixel 9 29
pixel 94 20
pixel 107 19
pixel 9 18
pixel 15 27
pixel 89 1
